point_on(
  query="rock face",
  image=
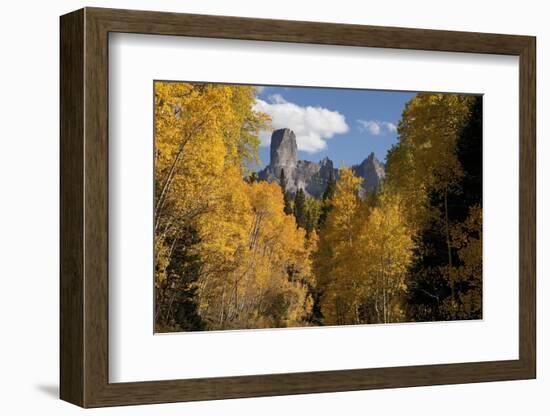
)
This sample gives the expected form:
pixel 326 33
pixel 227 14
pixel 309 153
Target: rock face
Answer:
pixel 284 151
pixel 310 176
pixel 372 171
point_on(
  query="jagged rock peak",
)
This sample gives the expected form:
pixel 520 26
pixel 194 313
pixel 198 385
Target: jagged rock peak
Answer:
pixel 326 162
pixel 372 171
pixel 309 176
pixel 284 150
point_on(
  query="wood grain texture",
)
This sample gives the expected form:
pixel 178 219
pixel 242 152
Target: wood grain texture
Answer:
pixel 84 207
pixel 527 208
pixel 71 213
pixel 96 209
pixel 162 23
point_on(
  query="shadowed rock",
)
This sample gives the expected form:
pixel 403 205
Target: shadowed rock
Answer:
pixel 284 151
pixel 372 171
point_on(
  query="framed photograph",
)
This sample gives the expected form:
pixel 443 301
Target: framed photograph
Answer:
pixel 255 207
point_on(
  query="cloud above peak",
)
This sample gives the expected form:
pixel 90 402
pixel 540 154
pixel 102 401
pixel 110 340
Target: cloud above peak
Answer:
pixel 313 126
pixel 376 127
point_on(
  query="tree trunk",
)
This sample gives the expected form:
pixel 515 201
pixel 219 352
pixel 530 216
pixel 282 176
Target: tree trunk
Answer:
pixel 170 176
pixel 449 252
pixel 167 183
pixel 222 306
pixel 385 300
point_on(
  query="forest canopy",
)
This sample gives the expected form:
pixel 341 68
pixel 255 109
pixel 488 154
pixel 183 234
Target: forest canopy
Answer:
pixel 235 252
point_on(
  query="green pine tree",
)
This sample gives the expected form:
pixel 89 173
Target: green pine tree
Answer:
pixel 299 208
pixel 326 199
pixel 252 178
pixel 287 197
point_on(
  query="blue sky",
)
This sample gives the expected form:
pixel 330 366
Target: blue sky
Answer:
pixel 345 125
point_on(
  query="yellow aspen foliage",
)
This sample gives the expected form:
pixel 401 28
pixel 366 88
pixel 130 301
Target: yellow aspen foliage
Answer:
pixel 239 258
pixel 223 227
pixel 189 162
pixel 241 135
pixel 200 129
pixel 363 257
pixel 385 253
pixel 268 287
pixel 433 171
pixel 425 159
pixel 467 240
pixel 336 277
pixel 231 254
pixel 430 124
pixel 344 206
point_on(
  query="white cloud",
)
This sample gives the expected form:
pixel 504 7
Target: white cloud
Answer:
pixel 313 126
pixel 392 128
pixel 369 125
pixel 260 89
pixel 277 99
pixel 376 127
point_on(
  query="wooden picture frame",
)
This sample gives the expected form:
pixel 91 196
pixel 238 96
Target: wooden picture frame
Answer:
pixel 84 207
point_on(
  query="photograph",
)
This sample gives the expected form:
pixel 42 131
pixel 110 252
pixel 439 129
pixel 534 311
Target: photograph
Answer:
pixel 288 206
pixel 275 208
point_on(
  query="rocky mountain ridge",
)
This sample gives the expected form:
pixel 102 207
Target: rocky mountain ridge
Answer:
pixel 312 177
